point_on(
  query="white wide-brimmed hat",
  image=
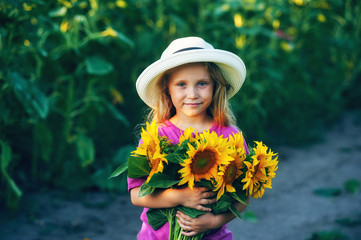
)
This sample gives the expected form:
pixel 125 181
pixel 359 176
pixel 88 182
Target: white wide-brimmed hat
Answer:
pixel 190 50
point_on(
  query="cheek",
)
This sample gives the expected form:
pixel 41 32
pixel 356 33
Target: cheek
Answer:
pixel 176 95
pixel 208 93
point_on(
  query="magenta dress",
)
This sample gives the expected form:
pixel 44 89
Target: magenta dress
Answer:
pixel 173 133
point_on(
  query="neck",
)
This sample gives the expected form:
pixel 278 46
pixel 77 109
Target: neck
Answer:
pixel 198 123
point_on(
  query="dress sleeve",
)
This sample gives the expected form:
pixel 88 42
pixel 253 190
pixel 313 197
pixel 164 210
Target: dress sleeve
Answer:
pixel 134 182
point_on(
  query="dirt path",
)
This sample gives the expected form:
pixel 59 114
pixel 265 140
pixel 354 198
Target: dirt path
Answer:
pixel 289 211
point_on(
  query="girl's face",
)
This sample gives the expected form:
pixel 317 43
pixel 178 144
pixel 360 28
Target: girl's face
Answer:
pixel 191 90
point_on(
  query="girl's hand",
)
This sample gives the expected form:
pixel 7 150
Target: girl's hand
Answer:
pixel 193 226
pixel 197 198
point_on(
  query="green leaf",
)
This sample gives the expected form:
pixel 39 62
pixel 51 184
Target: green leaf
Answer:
pixel 43 137
pixel 162 180
pixel 233 209
pixel 125 39
pixel 117 114
pixel 13 192
pixel 223 204
pixel 240 197
pixel 34 101
pixel 59 12
pixel 193 213
pixel 327 192
pixel 145 189
pixel 97 65
pixel 328 235
pixel 351 221
pixel 352 186
pixel 158 217
pixel 138 167
pixel 179 154
pixel 176 157
pixel 85 150
pixel 102 180
pixel 250 216
pixel 121 169
pixel 5 156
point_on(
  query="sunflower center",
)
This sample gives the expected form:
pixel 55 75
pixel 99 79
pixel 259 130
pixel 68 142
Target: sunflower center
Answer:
pixel 256 168
pixel 230 172
pixel 203 161
pixel 261 157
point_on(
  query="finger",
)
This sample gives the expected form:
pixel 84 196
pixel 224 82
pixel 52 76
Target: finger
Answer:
pixel 203 208
pixel 201 189
pixel 189 234
pixel 183 216
pixel 184 226
pixel 207 201
pixel 185 222
pixel 209 194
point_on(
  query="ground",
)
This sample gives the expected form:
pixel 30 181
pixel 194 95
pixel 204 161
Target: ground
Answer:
pixel 291 210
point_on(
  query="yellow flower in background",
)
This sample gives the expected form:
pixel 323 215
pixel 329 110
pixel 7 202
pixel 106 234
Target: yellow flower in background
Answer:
pixel 321 17
pixel 94 4
pixel 67 4
pixel 238 20
pixel 109 32
pixel 121 3
pixel 210 152
pixel 117 96
pixel 299 2
pixel 64 26
pixel 27 7
pixel 151 149
pixel 34 21
pixel 286 46
pixel 225 7
pixel 83 5
pixel 241 41
pixel 276 24
pixel 323 5
pixel 260 171
pixel 26 42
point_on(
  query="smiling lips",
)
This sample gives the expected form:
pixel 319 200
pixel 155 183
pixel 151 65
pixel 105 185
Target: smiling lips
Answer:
pixel 192 104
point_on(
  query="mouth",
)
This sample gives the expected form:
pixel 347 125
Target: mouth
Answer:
pixel 192 104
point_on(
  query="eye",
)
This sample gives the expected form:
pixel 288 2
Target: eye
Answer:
pixel 203 83
pixel 181 84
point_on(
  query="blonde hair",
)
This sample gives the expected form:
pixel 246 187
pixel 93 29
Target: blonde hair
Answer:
pixel 219 109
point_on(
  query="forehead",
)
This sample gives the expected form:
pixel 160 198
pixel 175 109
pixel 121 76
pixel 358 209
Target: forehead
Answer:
pixel 190 70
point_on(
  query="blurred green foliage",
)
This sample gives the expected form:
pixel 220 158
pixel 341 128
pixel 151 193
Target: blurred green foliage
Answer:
pixel 68 105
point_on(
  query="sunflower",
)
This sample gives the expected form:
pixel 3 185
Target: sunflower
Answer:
pixel 151 148
pixel 228 174
pixel 237 142
pixel 233 170
pixel 260 171
pixel 208 153
pixel 187 135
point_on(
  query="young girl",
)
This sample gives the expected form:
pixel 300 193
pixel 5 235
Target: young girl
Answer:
pixel 189 86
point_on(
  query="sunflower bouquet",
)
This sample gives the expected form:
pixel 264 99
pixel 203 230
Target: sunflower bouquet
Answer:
pixel 202 159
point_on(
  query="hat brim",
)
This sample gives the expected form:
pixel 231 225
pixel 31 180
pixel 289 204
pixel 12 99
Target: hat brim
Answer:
pixel 231 66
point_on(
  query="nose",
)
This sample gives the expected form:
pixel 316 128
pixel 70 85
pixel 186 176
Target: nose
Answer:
pixel 192 93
